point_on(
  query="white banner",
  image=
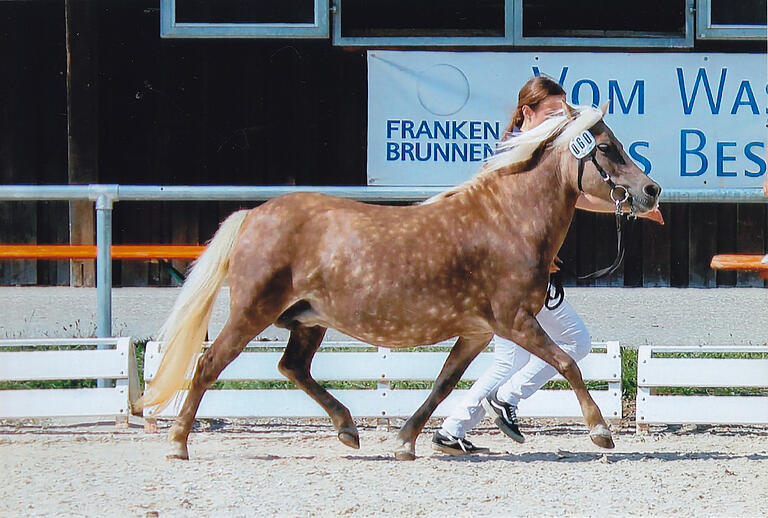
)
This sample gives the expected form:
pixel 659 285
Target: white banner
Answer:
pixel 688 120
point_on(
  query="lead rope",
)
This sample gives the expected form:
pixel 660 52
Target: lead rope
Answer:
pixel 555 291
pixel 619 201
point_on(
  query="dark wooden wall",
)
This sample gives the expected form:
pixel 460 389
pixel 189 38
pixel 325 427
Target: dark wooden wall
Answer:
pixel 33 131
pixel 251 112
pixel 675 254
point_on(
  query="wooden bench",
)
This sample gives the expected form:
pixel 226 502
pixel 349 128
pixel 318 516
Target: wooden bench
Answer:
pixel 355 361
pixel 58 359
pixel 741 262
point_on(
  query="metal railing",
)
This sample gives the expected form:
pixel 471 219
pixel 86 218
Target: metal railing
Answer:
pixel 105 195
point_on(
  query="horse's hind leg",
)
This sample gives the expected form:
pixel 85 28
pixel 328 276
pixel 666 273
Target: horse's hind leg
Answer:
pixel 464 351
pixel 295 365
pixel 231 341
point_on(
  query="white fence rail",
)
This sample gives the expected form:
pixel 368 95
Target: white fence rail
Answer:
pixel 659 367
pixel 35 360
pixel 695 367
pixel 382 366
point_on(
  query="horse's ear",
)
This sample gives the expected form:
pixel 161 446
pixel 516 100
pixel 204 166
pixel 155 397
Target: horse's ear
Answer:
pixel 604 108
pixel 568 110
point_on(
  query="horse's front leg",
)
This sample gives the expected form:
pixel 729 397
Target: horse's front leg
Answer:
pixel 525 330
pixel 464 351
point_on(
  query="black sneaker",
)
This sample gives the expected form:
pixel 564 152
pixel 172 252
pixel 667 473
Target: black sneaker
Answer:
pixel 504 416
pixel 454 445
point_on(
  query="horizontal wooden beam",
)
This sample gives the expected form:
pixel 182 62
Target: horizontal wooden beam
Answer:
pixel 739 262
pixel 89 251
pixel 742 262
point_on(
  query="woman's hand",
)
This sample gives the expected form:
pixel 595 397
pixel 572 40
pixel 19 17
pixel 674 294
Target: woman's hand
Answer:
pixel 765 187
pixel 555 266
pixel 654 215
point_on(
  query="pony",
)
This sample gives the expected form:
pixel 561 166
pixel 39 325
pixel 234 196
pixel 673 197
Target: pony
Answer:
pixel 470 262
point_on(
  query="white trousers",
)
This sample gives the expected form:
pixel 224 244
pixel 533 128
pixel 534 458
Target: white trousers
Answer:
pixel 516 372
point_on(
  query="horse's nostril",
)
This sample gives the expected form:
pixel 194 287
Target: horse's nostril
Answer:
pixel 652 190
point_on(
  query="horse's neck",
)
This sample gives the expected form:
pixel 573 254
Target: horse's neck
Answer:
pixel 542 198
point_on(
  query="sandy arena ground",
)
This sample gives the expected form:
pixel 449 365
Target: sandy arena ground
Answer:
pixel 300 469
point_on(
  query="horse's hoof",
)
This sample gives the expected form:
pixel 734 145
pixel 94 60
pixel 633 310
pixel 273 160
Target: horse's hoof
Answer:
pixel 601 436
pixel 349 437
pixel 405 452
pixel 404 455
pixel 177 451
pixel 603 441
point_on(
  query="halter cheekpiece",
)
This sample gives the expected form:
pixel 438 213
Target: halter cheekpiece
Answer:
pixel 584 147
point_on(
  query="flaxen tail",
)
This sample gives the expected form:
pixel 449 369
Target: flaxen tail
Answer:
pixel 184 331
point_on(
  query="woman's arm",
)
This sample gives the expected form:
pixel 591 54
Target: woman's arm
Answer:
pixel 593 204
pixel 765 186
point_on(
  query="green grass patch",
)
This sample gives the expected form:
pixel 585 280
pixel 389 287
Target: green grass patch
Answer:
pixel 412 385
pixel 288 385
pixel 253 385
pixel 628 373
pixel 718 356
pixel 564 385
pixel 48 384
pixel 466 384
pixel 425 349
pixel 140 349
pixel 35 348
pixel 426 385
pixel 711 391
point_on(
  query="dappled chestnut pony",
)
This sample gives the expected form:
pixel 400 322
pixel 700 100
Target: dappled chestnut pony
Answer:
pixel 471 262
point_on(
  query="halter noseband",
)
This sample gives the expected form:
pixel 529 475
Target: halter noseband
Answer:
pixel 619 201
pixel 584 146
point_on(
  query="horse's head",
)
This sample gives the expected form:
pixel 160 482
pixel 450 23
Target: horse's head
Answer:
pixel 597 164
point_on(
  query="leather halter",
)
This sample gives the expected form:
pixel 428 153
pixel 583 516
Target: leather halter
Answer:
pixel 606 178
pixel 555 292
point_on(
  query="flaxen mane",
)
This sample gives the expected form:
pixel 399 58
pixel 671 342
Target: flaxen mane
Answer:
pixel 516 153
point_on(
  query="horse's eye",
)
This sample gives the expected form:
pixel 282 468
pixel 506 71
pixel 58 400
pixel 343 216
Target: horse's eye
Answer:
pixel 611 151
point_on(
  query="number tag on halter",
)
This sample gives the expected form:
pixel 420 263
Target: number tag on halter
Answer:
pixel 582 144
